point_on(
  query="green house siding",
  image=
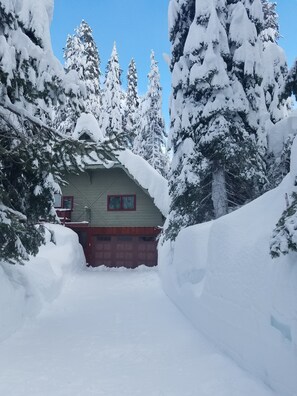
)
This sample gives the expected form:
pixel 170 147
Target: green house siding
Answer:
pixel 90 191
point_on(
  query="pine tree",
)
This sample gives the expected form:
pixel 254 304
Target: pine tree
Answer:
pixel 183 176
pixel 90 60
pixel 216 114
pixel 82 64
pixel 284 238
pixel 112 99
pixel 274 79
pixel 291 83
pixel 150 143
pixel 181 14
pixel 33 156
pixel 67 113
pixel 276 68
pixel 131 118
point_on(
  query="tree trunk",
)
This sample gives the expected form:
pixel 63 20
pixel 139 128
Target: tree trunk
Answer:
pixel 219 192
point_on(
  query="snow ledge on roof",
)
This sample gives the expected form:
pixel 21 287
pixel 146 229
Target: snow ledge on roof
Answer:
pixel 88 124
pixel 147 177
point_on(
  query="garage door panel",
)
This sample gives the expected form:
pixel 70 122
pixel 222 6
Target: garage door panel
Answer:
pixel 103 255
pixel 124 251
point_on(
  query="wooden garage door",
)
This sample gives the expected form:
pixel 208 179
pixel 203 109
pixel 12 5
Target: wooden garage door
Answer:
pixel 124 251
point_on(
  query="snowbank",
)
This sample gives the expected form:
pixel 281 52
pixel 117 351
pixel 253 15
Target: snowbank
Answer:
pixel 221 276
pixel 25 289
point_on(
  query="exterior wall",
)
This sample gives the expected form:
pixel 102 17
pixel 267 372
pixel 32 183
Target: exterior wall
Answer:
pixel 91 189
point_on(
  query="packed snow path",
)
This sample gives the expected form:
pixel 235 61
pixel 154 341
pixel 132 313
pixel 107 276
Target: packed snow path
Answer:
pixel 115 333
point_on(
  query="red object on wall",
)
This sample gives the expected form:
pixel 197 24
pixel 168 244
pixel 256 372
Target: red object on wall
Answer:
pixel 64 215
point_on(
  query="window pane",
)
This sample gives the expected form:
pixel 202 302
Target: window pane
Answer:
pixel 103 238
pixel 67 203
pixel 124 238
pixel 58 200
pixel 147 239
pixel 128 202
pixel 114 203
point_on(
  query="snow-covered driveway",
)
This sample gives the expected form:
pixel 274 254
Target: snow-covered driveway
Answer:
pixel 114 333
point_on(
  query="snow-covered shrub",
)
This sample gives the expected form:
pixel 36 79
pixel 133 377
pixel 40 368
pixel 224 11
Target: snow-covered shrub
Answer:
pixel 284 238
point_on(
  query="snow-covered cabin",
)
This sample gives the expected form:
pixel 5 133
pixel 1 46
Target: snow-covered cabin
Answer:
pixel 117 210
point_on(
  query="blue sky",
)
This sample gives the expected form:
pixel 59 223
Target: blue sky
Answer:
pixel 138 26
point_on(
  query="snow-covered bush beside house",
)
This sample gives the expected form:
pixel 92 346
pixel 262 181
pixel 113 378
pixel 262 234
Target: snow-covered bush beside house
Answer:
pixel 222 277
pixel 25 289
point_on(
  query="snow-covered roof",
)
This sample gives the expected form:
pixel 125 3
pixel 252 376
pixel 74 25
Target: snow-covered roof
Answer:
pixel 144 174
pixel 88 124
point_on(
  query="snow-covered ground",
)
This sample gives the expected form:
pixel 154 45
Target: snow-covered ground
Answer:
pixel 111 333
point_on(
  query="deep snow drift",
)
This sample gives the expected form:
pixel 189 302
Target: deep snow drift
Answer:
pixel 115 333
pixel 25 289
pixel 222 277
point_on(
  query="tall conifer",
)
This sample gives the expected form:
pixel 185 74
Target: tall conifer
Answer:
pixel 131 118
pixel 82 64
pixel 216 125
pixel 150 143
pixel 112 99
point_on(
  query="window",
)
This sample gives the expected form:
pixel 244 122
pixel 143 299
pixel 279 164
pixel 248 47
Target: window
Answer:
pixel 63 202
pixel 128 202
pixel 67 203
pixel 103 238
pixel 58 200
pixel 124 238
pixel 114 203
pixel 147 239
pixel 121 202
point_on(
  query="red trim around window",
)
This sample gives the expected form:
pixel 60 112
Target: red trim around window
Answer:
pixel 121 209
pixel 69 197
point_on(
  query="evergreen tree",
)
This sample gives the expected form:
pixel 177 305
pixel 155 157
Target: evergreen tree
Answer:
pixel 150 143
pixel 181 14
pixel 90 64
pixel 67 113
pixel 82 64
pixel 291 82
pixel 276 69
pixel 183 177
pixel 131 118
pixel 216 110
pixel 274 79
pixel 112 100
pixel 32 156
pixel 284 238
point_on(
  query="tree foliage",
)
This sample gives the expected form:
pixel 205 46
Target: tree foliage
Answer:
pixel 150 141
pixel 33 156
